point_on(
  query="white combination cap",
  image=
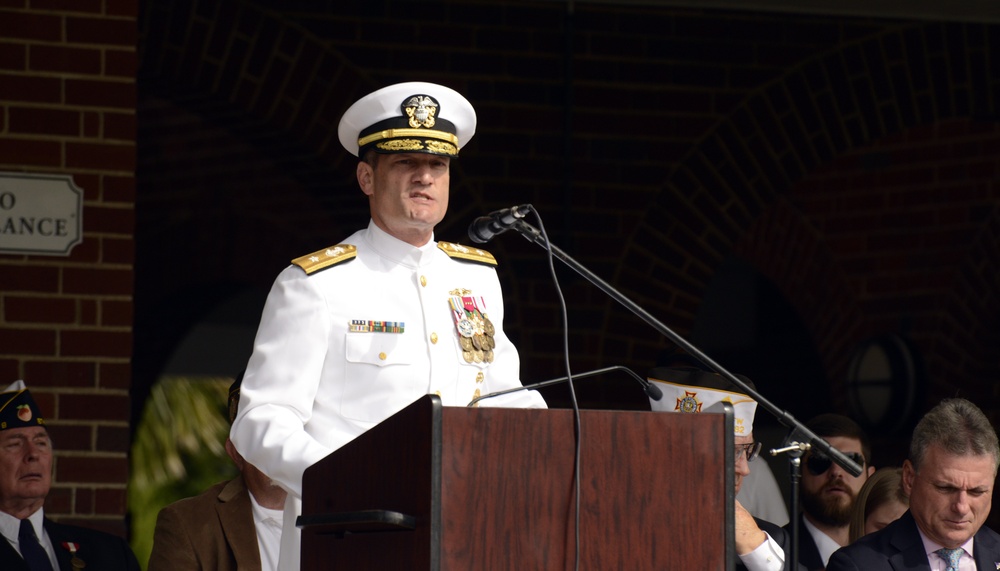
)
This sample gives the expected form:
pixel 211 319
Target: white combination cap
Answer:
pixel 413 117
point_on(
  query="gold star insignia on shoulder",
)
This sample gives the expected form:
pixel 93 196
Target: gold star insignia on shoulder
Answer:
pixel 465 253
pixel 326 258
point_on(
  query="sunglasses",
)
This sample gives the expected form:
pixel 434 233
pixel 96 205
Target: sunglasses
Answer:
pixel 818 464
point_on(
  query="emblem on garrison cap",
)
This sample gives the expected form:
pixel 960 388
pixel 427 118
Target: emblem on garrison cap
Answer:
pixel 421 109
pixel 688 403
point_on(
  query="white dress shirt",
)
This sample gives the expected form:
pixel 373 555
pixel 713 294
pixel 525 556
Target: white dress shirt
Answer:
pixel 268 524
pixel 10 527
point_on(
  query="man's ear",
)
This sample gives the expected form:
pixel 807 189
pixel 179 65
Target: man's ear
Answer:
pixel 908 475
pixel 366 178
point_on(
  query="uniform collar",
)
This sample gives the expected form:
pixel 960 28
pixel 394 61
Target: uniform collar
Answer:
pixel 396 250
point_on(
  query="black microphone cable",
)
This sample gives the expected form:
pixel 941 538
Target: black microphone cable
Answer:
pixel 569 376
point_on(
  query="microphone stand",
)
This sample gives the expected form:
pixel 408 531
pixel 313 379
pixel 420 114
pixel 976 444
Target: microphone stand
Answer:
pixel 532 234
pixel 795 450
pixel 650 389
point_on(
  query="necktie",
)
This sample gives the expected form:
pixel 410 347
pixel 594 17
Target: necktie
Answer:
pixel 32 551
pixel 951 556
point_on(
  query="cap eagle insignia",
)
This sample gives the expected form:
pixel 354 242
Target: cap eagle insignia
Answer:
pixel 421 109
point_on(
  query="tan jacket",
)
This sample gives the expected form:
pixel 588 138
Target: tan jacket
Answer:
pixel 212 531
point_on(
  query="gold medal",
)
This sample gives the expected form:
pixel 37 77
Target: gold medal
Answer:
pixel 466 343
pixel 77 563
pixel 488 357
pixel 488 326
pixel 477 342
pixel 468 356
pixel 478 356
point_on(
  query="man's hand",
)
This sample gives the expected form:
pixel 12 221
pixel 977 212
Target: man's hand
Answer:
pixel 748 535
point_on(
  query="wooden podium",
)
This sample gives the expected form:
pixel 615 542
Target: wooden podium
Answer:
pixel 460 489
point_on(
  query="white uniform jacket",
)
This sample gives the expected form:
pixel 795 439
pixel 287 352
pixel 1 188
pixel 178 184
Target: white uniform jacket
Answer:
pixel 312 384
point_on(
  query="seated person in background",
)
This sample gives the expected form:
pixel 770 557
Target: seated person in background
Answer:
pixel 760 545
pixel 949 478
pixel 880 502
pixel 33 542
pixel 233 525
pixel 827 491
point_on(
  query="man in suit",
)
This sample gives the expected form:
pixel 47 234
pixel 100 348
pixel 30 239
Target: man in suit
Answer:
pixel 232 525
pixel 33 541
pixel 828 492
pixel 760 545
pixel 949 477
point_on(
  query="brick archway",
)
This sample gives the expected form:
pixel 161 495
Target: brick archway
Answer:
pixel 742 190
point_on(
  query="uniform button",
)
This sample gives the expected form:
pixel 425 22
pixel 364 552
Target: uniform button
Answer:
pixel 382 356
pixel 423 281
pixel 438 393
pixel 434 338
pixel 480 377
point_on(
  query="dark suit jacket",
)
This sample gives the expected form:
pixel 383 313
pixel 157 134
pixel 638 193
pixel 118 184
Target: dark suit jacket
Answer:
pixel 808 552
pixel 96 549
pixel 780 537
pixel 898 547
pixel 212 531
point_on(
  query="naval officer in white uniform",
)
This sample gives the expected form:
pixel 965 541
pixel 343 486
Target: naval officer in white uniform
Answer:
pixel 353 333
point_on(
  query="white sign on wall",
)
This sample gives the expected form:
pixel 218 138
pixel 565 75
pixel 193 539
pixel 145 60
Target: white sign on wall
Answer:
pixel 39 214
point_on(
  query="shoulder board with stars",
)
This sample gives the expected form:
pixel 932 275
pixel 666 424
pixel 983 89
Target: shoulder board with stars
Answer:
pixel 466 253
pixel 325 258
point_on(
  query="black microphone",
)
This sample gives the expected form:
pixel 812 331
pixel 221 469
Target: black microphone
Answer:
pixel 484 228
pixel 652 391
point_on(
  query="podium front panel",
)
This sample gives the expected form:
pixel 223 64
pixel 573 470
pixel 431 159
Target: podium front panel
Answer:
pixel 493 488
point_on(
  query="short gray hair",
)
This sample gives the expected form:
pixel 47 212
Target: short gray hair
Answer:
pixel 958 427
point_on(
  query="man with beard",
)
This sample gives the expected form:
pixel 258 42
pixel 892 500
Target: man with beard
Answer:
pixel 827 493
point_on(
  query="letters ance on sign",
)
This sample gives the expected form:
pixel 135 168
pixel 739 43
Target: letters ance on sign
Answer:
pixel 39 214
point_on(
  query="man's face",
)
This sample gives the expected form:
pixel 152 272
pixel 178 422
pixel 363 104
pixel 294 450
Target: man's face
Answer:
pixel 829 497
pixel 742 466
pixel 408 193
pixel 25 469
pixel 951 496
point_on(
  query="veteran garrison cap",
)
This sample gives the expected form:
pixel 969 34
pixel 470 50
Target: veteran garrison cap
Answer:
pixel 18 409
pixel 689 389
pixel 412 117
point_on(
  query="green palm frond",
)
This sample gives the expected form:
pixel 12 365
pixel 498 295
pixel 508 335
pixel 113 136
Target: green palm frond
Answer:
pixel 178 450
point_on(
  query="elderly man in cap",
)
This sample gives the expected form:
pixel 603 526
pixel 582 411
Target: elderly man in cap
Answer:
pixel 760 545
pixel 233 525
pixel 34 542
pixel 355 332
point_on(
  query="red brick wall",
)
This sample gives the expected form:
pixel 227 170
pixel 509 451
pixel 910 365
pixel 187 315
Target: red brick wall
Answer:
pixel 687 137
pixel 67 106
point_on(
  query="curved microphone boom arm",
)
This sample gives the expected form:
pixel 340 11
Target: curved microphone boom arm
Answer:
pixel 532 234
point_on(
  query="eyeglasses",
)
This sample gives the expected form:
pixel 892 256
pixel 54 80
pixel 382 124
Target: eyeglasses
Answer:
pixel 750 450
pixel 818 464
